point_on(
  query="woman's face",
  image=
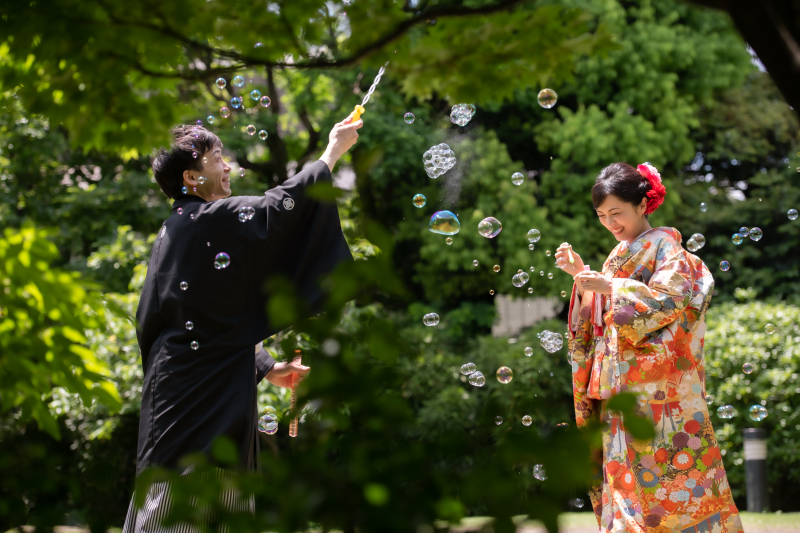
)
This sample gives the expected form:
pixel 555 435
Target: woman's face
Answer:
pixel 624 220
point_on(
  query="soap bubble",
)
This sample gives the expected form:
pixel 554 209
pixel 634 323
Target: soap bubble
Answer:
pixel 221 83
pixel 528 351
pixel 530 290
pixel 747 368
pixel 563 294
pixel 246 213
pixel 551 341
pixel 527 420
pixel 255 95
pixel 756 234
pixel 409 118
pixel 448 240
pixel 724 266
pixel 265 101
pixel 241 172
pixel 491 292
pixel 562 425
pixel 225 112
pixel 184 285
pixel 431 319
pixel 498 420
pixel 184 190
pixel 238 81
pixel 504 375
pixel 695 242
pixel 517 178
pixel 547 253
pixel 475 262
pixel 330 347
pixel 770 328
pixel 419 200
pixel 477 379
pixel 195 345
pixel 744 232
pixel 547 98
pixel 468 368
pixel 539 472
pixel 703 207
pixel 758 413
pixel 541 272
pixel 189 325
pixel 534 235
pixel 194 154
pixel 201 180
pixel 180 210
pixel 737 238
pixel 444 223
pixel 438 160
pixel 496 268
pixel 251 130
pixel 268 423
pixel 222 260
pixel 726 411
pixel 709 399
pixel 549 275
pixel 210 119
pixel 489 227
pixel 576 503
pixel 263 135
pixel 236 102
pixel 792 214
pixel 258 45
pixel 517 280
pixel 461 114
pixel 531 247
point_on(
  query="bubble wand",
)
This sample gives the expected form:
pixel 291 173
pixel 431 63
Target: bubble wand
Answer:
pixel 295 380
pixel 358 110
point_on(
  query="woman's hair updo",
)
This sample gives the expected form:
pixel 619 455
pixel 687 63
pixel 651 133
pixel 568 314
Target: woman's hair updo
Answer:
pixel 630 185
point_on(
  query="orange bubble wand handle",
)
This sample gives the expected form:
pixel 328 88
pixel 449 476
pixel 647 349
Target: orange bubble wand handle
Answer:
pixel 295 381
pixel 357 112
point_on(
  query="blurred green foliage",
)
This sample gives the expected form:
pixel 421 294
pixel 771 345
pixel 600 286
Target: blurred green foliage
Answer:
pixel 736 335
pixel 393 437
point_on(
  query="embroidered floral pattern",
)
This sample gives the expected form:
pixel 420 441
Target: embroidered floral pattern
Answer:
pixel 652 345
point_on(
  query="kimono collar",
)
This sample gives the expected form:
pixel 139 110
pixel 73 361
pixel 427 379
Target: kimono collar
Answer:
pixel 185 199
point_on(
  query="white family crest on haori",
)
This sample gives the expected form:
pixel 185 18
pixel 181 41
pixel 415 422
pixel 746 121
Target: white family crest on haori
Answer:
pixel 288 204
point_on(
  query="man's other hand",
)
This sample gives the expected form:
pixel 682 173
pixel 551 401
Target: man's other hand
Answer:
pixel 342 137
pixel 283 374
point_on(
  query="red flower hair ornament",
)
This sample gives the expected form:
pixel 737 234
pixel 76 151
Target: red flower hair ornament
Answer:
pixel 657 192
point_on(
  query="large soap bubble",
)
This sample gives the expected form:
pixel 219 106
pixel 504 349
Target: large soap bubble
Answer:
pixel 268 423
pixel 490 227
pixel 468 368
pixel 461 114
pixel 758 413
pixel 477 379
pixel 444 223
pixel 504 375
pixel 438 160
pixel 534 235
pixel 695 242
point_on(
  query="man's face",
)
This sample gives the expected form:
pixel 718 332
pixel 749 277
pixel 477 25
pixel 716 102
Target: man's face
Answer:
pixel 216 172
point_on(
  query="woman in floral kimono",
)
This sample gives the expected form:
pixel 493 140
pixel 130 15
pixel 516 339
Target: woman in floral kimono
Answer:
pixel 638 326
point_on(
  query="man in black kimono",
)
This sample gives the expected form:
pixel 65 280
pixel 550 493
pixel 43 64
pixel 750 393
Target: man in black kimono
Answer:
pixel 203 306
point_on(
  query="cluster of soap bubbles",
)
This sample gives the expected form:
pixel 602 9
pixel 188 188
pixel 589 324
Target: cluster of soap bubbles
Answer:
pixel 726 412
pixel 268 422
pixel 551 341
pixel 520 278
pixel 438 160
pixel 490 227
pixel 475 378
pixel 246 213
pixel 461 114
pixel 431 319
pixel 755 234
pixel 695 242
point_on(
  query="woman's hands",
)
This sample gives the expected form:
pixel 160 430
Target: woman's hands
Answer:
pixel 589 280
pixel 562 258
pixel 283 374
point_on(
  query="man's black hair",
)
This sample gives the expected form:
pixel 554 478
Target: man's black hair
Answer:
pixel 189 145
